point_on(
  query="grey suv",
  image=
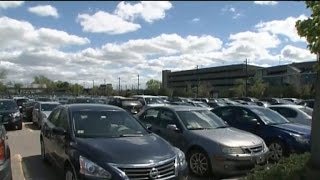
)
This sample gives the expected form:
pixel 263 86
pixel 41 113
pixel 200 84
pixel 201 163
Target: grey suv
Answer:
pixel 210 145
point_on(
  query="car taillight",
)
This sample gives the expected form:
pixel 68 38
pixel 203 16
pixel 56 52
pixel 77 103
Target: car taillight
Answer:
pixel 2 151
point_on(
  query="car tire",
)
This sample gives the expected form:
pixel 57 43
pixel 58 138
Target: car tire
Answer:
pixel 69 174
pixel 277 150
pixel 19 127
pixel 43 152
pixel 199 163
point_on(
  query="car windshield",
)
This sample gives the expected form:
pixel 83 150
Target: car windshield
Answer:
pixel 200 119
pixel 154 100
pixel 48 107
pixel 269 116
pixel 8 105
pixel 109 124
pixel 84 100
pixel 307 110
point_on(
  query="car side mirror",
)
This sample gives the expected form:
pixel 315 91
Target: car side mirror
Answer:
pixel 173 127
pixel 59 131
pixel 148 126
pixel 254 121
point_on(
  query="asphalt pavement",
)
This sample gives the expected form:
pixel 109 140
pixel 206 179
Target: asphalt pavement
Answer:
pixel 26 160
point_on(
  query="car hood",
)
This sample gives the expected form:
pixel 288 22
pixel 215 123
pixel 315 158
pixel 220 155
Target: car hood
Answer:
pixel 7 112
pixel 229 136
pixel 146 149
pixel 294 128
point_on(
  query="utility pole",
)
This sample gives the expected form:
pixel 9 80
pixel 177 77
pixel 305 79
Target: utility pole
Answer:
pixel 197 82
pixel 104 85
pixel 246 77
pixel 119 86
pixel 138 85
pixel 93 87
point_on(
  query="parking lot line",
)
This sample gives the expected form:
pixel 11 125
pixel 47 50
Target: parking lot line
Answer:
pixel 16 165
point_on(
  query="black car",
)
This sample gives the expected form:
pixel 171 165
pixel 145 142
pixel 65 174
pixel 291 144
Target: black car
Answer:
pixel 95 141
pixel 5 161
pixel 27 109
pixel 10 114
pixel 281 136
pixel 309 103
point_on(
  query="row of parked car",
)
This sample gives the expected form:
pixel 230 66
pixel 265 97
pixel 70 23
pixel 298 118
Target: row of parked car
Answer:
pixel 164 139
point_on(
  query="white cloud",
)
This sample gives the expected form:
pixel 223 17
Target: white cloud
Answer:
pixel 284 27
pixel 232 11
pixel 270 3
pixel 195 20
pixel 16 34
pixel 10 4
pixel 103 22
pixel 150 11
pixel 44 10
pixel 296 54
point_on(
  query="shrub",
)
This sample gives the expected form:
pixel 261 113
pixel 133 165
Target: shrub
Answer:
pixel 291 168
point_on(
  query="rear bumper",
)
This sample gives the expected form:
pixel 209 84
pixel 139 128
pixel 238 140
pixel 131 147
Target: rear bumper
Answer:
pixel 12 123
pixel 233 165
pixel 5 170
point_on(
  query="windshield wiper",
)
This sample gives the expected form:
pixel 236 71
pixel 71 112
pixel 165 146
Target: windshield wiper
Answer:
pixel 220 127
pixel 131 135
pixel 199 128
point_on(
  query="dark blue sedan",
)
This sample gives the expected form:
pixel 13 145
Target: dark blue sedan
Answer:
pixel 281 136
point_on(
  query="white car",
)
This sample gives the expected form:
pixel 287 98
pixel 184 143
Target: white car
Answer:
pixel 41 111
pixel 295 113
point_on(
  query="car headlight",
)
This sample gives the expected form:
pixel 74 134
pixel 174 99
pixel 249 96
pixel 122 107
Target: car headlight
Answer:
pixel 181 157
pixel 15 115
pixel 232 150
pixel 299 138
pixel 89 168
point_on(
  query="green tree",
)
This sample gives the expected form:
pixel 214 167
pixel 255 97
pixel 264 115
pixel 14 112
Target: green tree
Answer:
pixel 42 80
pixel 204 89
pixel 76 89
pixel 3 76
pixel 153 86
pixel 258 88
pixel 310 29
pixel 17 87
pixel 239 89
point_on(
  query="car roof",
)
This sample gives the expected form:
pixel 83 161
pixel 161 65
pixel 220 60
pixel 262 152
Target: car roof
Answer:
pixel 6 99
pixel 244 106
pixel 145 96
pixel 48 102
pixel 180 107
pixel 89 106
pixel 287 105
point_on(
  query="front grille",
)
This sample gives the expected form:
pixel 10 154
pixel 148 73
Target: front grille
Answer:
pixel 163 171
pixel 253 150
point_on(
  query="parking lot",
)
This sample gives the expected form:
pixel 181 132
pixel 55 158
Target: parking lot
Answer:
pixel 26 160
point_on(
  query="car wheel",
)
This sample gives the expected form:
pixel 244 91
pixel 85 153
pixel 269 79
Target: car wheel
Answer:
pixel 199 163
pixel 19 127
pixel 277 150
pixel 43 152
pixel 69 174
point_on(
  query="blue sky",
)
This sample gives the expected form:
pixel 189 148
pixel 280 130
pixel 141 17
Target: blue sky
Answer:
pixel 82 41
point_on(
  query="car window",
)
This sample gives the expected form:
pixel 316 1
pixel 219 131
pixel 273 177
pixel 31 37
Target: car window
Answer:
pixel 109 124
pixel 226 114
pixel 150 116
pixel 200 119
pixel 63 119
pixel 244 116
pixel 307 110
pixel 286 112
pixel 54 117
pixel 166 118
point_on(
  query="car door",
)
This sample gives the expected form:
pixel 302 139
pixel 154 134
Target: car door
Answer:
pixel 47 135
pixel 227 114
pixel 51 142
pixel 59 141
pixel 175 137
pixel 150 117
pixel 247 120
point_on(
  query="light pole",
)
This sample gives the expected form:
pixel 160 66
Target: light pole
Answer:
pixel 138 85
pixel 119 86
pixel 246 77
pixel 197 82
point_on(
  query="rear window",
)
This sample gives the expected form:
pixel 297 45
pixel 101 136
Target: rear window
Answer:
pixel 8 105
pixel 307 110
